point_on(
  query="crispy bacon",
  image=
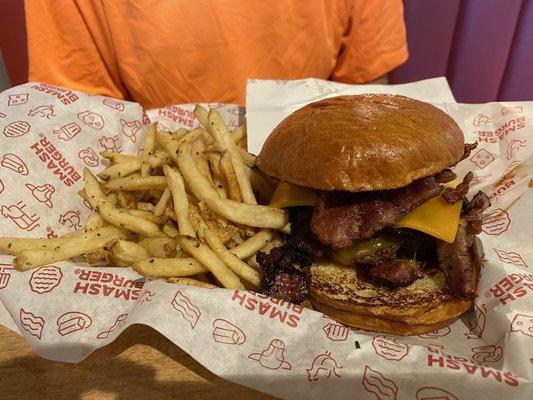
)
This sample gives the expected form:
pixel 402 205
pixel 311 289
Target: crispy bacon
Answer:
pixel 468 149
pixel 341 217
pixel 396 273
pixel 453 195
pixel 446 175
pixel 473 210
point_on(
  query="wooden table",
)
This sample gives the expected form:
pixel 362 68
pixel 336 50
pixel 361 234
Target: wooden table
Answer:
pixel 140 364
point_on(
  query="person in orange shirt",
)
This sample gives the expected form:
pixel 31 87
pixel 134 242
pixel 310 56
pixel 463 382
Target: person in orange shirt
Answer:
pixel 165 52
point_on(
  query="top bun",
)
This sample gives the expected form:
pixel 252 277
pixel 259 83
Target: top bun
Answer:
pixel 361 143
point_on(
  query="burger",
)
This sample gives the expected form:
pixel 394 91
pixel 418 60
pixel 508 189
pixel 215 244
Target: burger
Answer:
pixel 382 236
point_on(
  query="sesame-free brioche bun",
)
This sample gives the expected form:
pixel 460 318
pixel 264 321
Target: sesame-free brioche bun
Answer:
pixel 426 305
pixel 360 143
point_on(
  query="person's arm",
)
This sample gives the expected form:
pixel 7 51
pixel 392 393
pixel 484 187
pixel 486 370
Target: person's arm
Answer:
pixel 69 45
pixel 374 42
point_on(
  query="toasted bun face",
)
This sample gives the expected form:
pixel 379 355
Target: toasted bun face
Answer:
pixel 361 143
pixel 423 306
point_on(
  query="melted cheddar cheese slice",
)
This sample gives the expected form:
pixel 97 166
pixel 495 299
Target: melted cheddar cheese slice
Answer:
pixel 435 217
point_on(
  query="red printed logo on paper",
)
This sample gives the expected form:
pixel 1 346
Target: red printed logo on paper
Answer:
pixel 389 348
pixel 68 131
pixel 94 120
pixel 19 216
pixel 31 323
pixel 383 388
pixel 323 367
pixel 110 144
pixel 186 308
pixel 119 322
pixel 16 129
pixel 436 334
pixel 511 110
pixel 71 219
pixel 476 326
pixel 73 321
pixel 5 275
pixel 42 193
pixel 42 111
pixel 17 99
pixel 45 279
pixel 114 104
pixel 511 257
pixel 130 129
pixel 2 115
pixel 227 333
pixel 2 187
pixel 273 357
pixel 336 332
pixel 484 354
pixel 89 157
pixel 482 158
pixel 433 393
pixel 496 222
pixel 14 163
pixel 522 323
pixel 481 119
pixel 479 179
pixel 145 297
pixel 514 147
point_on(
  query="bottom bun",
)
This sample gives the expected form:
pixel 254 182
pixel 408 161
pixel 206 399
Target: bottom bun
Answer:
pixel 377 324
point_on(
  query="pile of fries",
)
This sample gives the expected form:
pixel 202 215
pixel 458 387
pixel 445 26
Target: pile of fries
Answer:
pixel 187 208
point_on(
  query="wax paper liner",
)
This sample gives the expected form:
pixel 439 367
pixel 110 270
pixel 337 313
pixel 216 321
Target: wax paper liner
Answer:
pixel 66 310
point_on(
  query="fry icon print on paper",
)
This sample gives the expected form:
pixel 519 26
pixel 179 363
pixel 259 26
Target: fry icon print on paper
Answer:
pixel 323 367
pixel 14 163
pixel 382 388
pixel 188 310
pixel 31 323
pixel 119 321
pixel 273 357
pixel 227 333
pixel 433 393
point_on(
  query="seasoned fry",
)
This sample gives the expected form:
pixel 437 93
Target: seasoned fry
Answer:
pixel 232 185
pixel 142 205
pixel 239 267
pixel 95 221
pixel 238 134
pixel 117 157
pixel 99 257
pixel 147 215
pixel 148 148
pixel 111 214
pixel 76 246
pixel 169 267
pixel 15 245
pixel 124 252
pixel 253 244
pixel 160 247
pixel 201 114
pixel 223 138
pixel 197 150
pixel 218 178
pixel 162 203
pixel 179 198
pixel 246 214
pixel 129 166
pixel 191 282
pixel 205 256
pixel 170 229
pixel 137 183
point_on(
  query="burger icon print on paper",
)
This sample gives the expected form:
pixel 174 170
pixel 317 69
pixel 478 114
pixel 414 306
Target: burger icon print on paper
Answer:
pixel 273 357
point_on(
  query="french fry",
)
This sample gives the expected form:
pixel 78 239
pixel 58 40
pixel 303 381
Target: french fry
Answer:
pixel 117 157
pixel 205 256
pixel 14 245
pixel 239 267
pixel 245 214
pixel 218 178
pixel 147 215
pixel 111 214
pixel 98 257
pixel 161 247
pixel 218 130
pixel 191 282
pixel 142 205
pixel 252 262
pixel 95 221
pixel 125 253
pixel 179 198
pixel 126 199
pixel 129 166
pixel 197 150
pixel 170 229
pixel 137 183
pixel 238 134
pixel 169 267
pixel 232 184
pixel 162 203
pixel 77 246
pixel 253 244
pixel 201 115
pixel 148 148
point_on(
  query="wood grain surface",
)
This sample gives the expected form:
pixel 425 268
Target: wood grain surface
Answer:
pixel 140 364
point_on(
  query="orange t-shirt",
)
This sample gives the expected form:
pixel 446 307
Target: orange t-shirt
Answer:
pixel 164 52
